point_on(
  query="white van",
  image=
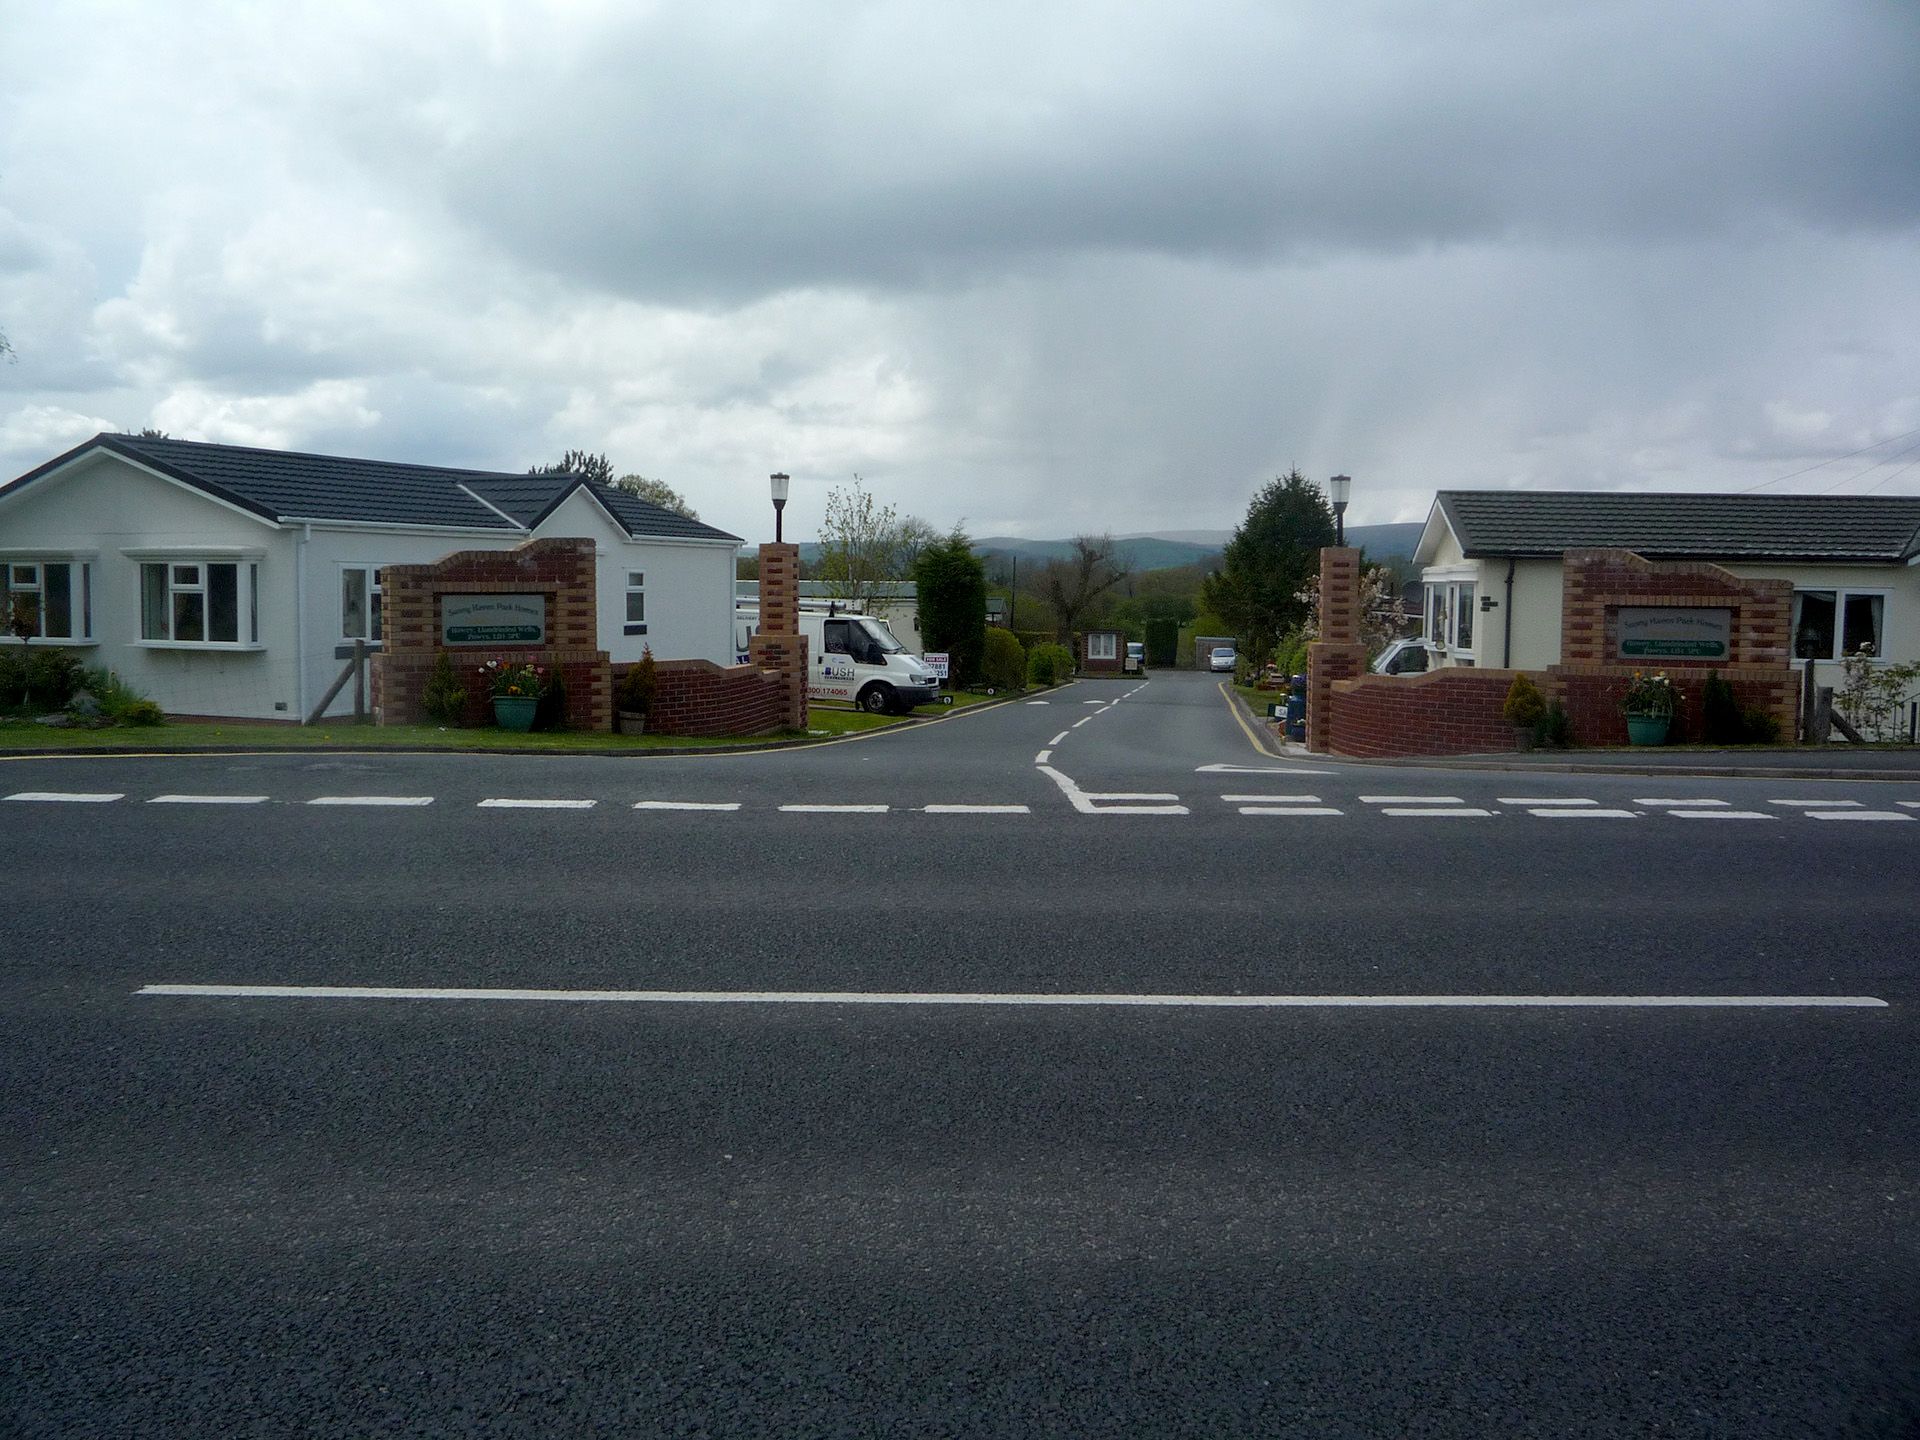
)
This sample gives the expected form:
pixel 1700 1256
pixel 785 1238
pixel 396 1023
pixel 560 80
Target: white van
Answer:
pixel 852 657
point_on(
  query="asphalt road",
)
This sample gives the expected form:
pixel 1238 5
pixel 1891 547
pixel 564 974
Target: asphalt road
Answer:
pixel 295 1214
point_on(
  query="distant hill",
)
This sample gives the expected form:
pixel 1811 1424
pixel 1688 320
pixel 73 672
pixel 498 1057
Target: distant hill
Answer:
pixel 1141 553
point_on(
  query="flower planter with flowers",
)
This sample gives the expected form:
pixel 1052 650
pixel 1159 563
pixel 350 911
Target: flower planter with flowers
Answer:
pixel 516 691
pixel 1649 705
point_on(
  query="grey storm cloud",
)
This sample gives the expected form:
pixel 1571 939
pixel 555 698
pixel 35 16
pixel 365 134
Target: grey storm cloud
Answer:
pixel 680 157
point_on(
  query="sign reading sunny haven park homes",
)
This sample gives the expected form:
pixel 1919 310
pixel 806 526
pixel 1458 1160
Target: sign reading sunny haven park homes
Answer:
pixel 493 619
pixel 1675 633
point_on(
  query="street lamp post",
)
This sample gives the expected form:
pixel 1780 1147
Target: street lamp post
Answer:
pixel 1339 488
pixel 779 483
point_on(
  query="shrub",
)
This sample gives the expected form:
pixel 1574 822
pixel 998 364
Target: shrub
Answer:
pixel 13 678
pixel 551 713
pixel 143 712
pixel 1049 664
pixel 1720 720
pixel 1759 727
pixel 1005 660
pixel 637 686
pixel 1554 730
pixel 119 701
pixel 1526 707
pixel 445 698
pixel 38 678
pixel 1290 655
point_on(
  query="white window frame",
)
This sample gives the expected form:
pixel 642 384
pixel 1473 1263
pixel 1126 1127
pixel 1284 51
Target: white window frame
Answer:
pixel 1103 645
pixel 371 594
pixel 1446 584
pixel 246 600
pixel 79 595
pixel 1841 594
pixel 636 590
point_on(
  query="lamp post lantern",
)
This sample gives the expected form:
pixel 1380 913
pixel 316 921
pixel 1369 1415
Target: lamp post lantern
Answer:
pixel 779 482
pixel 1339 488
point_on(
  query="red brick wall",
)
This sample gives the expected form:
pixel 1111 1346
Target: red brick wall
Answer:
pixel 1338 654
pixel 563 570
pixel 1103 667
pixel 1595 584
pixel 698 697
pixel 1443 712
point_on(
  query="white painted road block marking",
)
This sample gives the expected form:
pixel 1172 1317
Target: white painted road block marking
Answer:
pixel 1103 804
pixel 1058 738
pixel 1558 813
pixel 978 810
pixel 1271 799
pixel 908 997
pixel 1548 800
pixel 1855 815
pixel 1678 803
pixel 836 809
pixel 1043 757
pixel 537 804
pixel 208 800
pixel 1720 815
pixel 1290 810
pixel 686 805
pixel 1257 770
pixel 1434 810
pixel 67 797
pixel 1818 804
pixel 372 800
pixel 1411 800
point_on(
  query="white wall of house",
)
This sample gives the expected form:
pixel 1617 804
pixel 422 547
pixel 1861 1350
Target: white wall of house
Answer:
pixel 1897 586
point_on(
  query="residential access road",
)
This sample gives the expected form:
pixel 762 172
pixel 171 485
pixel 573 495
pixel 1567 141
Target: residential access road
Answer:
pixel 758 1184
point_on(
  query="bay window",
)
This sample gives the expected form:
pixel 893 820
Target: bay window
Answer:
pixel 200 602
pixel 52 598
pixel 1450 612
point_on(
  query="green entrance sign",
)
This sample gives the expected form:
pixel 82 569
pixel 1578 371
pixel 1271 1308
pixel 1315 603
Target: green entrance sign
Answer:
pixel 493 619
pixel 1703 632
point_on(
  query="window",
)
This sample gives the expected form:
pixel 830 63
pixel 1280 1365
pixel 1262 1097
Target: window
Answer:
pixel 53 597
pixel 1450 615
pixel 636 602
pixel 198 602
pixel 1100 645
pixel 360 602
pixel 1832 624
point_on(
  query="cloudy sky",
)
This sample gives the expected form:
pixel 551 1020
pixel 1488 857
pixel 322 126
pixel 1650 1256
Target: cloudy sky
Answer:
pixel 1041 268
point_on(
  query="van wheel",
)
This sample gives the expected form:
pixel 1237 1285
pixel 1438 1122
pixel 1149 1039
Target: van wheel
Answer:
pixel 877 699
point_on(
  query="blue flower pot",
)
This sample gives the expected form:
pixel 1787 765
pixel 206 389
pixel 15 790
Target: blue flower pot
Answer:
pixel 1648 729
pixel 514 712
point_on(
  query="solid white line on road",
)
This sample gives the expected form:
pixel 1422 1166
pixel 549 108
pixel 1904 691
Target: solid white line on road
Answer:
pixel 909 997
pixel 1271 799
pixel 537 804
pixel 686 805
pixel 978 810
pixel 1677 803
pixel 1058 738
pixel 1855 815
pixel 1412 800
pixel 1043 757
pixel 1289 810
pixel 372 800
pixel 208 800
pixel 1130 795
pixel 1256 770
pixel 1558 813
pixel 1433 810
pixel 1818 804
pixel 1545 800
pixel 1720 815
pixel 67 797
pixel 835 809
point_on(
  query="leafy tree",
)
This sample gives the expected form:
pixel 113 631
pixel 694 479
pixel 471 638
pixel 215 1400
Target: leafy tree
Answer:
pixel 656 492
pixel 953 602
pixel 579 462
pixel 861 545
pixel 1273 556
pixel 149 433
pixel 6 348
pixel 1072 585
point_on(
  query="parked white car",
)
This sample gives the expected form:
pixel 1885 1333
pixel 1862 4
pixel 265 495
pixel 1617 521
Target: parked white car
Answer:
pixel 1222 658
pixel 1404 657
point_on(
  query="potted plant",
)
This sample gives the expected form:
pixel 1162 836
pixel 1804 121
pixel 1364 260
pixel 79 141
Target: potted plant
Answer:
pixel 1526 707
pixel 1649 706
pixel 634 698
pixel 516 692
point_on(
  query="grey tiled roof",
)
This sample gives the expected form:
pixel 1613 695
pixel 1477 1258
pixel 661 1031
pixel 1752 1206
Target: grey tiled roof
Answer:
pixel 1703 527
pixel 289 485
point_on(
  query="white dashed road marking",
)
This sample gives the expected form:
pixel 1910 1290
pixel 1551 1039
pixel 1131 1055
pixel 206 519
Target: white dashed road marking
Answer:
pixel 537 804
pixel 1678 803
pixel 208 800
pixel 1271 799
pixel 883 997
pixel 1554 801
pixel 1818 804
pixel 1257 770
pixel 1434 810
pixel 1558 813
pixel 836 809
pixel 1043 757
pixel 1058 738
pixel 1720 815
pixel 1856 815
pixel 978 810
pixel 1411 800
pixel 1290 810
pixel 1102 804
pixel 372 800
pixel 67 797
pixel 1909 804
pixel 686 805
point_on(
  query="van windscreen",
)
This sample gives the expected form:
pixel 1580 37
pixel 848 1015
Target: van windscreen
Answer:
pixel 877 632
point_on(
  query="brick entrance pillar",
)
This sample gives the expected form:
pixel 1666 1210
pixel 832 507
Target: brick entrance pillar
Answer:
pixel 1339 653
pixel 779 646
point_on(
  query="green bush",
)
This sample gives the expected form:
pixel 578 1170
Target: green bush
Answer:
pixel 1759 727
pixel 638 685
pixel 1049 664
pixel 1720 720
pixel 1555 728
pixel 445 698
pixel 1005 660
pixel 551 714
pixel 142 712
pixel 38 678
pixel 118 701
pixel 1291 653
pixel 1526 707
